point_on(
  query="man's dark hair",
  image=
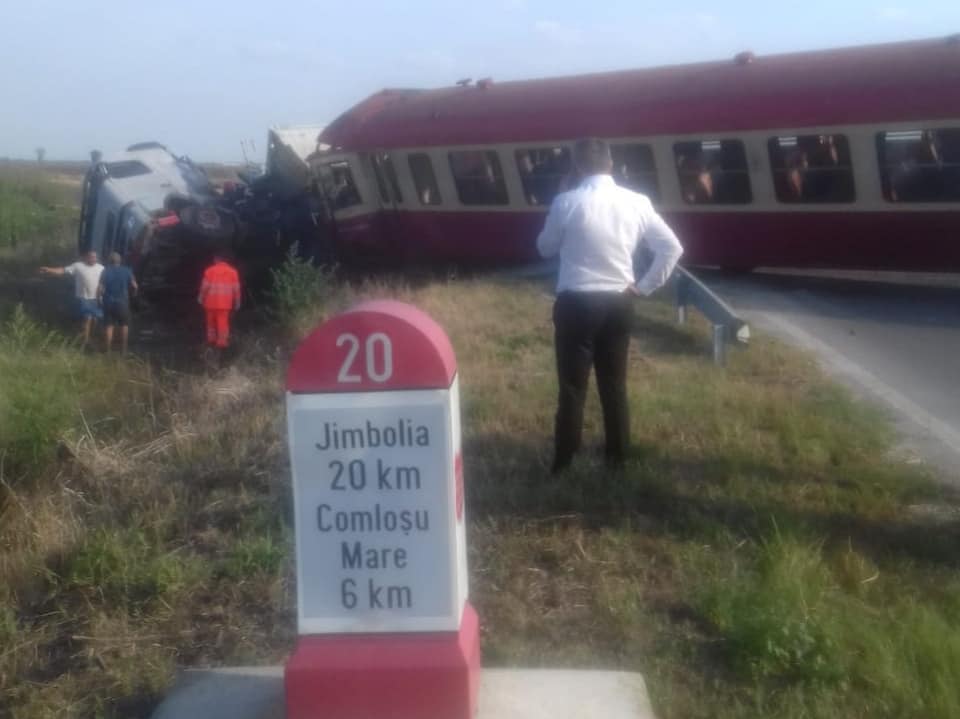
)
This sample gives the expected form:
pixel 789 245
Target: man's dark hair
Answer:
pixel 591 156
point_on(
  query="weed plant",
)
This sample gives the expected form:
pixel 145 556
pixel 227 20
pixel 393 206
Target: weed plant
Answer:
pixel 300 292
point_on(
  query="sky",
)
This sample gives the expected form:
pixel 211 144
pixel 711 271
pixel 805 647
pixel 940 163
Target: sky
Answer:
pixel 205 77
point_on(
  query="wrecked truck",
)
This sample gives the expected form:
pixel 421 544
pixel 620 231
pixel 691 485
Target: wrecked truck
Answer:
pixel 166 218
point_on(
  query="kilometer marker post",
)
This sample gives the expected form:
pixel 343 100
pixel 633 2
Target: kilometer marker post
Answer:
pixel 385 627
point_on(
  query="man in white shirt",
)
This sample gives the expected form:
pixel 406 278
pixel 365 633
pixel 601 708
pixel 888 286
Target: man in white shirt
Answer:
pixel 86 280
pixel 596 229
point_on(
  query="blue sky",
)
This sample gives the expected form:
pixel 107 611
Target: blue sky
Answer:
pixel 202 75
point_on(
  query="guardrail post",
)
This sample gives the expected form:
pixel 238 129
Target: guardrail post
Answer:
pixel 719 345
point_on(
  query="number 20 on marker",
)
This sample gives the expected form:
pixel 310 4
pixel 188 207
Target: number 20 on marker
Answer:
pixel 377 358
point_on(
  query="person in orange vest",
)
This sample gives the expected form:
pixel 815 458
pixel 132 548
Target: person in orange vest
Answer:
pixel 219 294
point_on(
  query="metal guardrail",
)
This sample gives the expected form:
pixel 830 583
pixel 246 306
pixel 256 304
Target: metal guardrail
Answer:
pixel 727 325
pixel 689 290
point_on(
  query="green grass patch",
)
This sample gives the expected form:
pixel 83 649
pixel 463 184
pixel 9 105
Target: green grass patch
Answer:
pixel 38 212
pixel 126 568
pixel 250 556
pixel 51 392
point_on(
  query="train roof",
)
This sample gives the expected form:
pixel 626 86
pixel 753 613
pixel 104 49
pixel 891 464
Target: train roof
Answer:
pixel 918 80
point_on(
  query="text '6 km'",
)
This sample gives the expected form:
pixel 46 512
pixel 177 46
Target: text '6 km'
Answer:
pixel 378 358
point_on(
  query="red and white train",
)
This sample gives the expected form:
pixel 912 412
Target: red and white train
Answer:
pixel 842 158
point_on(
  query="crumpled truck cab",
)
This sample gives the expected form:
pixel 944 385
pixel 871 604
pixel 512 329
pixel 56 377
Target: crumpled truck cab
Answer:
pixel 159 211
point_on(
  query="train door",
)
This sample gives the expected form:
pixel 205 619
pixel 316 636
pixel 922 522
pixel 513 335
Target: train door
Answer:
pixel 346 223
pixel 391 202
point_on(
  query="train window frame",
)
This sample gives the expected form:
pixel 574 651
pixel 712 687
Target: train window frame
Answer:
pixel 624 180
pixel 388 183
pixel 791 168
pixel 707 186
pixel 428 192
pixel 328 169
pixel 502 194
pixel 556 181
pixel 944 170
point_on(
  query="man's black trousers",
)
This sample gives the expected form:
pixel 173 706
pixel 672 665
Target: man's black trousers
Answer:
pixel 592 329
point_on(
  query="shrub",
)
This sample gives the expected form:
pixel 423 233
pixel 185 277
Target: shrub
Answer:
pixel 776 618
pixel 300 290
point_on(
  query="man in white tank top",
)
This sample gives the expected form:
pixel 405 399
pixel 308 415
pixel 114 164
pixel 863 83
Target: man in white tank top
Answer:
pixel 86 280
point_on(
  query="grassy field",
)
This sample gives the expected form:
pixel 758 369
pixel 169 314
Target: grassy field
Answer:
pixel 38 209
pixel 763 554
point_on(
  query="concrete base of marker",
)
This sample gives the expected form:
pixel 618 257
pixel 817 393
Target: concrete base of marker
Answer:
pixel 403 676
pixel 257 693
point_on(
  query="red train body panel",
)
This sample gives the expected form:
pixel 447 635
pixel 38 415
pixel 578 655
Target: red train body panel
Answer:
pixel 889 83
pixel 868 96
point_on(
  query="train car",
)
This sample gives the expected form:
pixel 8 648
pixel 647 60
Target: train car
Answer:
pixel 845 158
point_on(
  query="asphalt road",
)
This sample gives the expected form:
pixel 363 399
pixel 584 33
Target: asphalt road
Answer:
pixel 895 338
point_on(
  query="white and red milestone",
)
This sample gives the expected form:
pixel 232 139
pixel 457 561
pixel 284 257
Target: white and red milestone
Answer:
pixel 373 419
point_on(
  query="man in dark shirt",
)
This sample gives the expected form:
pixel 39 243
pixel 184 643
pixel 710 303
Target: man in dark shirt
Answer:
pixel 116 283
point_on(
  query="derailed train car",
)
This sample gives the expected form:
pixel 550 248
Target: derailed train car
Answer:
pixel 845 158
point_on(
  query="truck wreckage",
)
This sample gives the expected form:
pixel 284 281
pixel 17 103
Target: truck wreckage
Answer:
pixel 165 216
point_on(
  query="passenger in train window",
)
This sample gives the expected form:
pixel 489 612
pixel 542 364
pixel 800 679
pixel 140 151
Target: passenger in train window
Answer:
pixel 811 168
pixel 424 179
pixel 696 182
pixel 342 191
pixel 542 172
pixel 478 177
pixel 913 167
pixel 795 174
pixel 825 152
pixel 713 172
pixel 828 175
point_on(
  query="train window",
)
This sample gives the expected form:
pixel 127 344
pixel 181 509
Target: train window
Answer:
pixel 339 185
pixel 920 165
pixel 386 177
pixel 424 179
pixel 811 168
pixel 713 172
pixel 635 169
pixel 478 177
pixel 543 171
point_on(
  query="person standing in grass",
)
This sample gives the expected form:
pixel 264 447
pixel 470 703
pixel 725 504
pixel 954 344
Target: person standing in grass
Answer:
pixel 116 284
pixel 86 278
pixel 596 229
pixel 219 295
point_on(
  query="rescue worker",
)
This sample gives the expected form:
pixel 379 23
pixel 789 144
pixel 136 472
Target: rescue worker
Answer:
pixel 219 294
